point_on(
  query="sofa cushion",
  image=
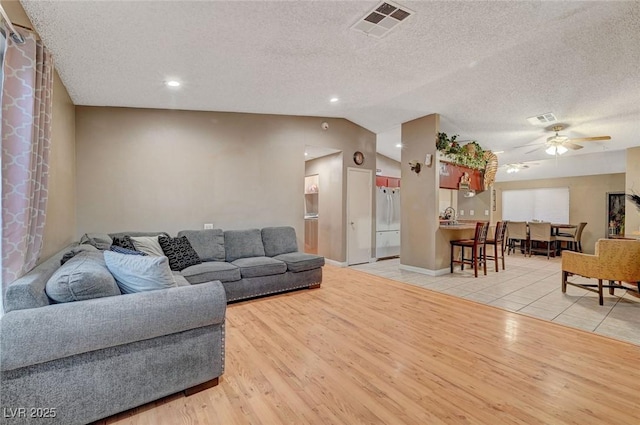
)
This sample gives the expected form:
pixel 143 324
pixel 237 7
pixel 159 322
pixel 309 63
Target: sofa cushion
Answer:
pixel 148 244
pixel 259 266
pixel 101 241
pixel 179 252
pixel 243 244
pixel 180 280
pixel 300 261
pixel 279 240
pixel 136 273
pixel 208 243
pixel 210 271
pixel 83 277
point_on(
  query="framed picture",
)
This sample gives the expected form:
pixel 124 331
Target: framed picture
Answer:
pixel 615 213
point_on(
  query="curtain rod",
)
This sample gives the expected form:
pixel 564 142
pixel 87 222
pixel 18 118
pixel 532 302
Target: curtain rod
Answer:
pixel 13 33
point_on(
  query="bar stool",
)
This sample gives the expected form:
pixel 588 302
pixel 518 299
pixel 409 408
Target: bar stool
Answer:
pixel 478 249
pixel 498 244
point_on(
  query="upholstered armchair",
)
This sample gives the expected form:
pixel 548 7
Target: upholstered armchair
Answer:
pixel 615 260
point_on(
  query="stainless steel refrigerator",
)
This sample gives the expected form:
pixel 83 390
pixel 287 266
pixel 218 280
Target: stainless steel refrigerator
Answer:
pixel 387 222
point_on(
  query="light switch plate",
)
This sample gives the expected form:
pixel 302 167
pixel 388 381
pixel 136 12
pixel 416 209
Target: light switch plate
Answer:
pixel 486 212
pixel 471 212
pixel 208 225
pixel 461 212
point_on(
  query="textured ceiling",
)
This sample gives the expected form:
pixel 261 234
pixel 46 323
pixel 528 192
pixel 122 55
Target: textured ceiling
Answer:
pixel 484 66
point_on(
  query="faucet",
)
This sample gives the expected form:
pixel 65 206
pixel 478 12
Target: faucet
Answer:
pixel 450 214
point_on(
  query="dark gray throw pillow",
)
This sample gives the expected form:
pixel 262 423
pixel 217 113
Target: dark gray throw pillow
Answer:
pixel 179 252
pixel 124 242
pixel 84 276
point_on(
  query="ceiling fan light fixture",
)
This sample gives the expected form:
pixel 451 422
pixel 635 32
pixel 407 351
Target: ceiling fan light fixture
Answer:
pixel 556 150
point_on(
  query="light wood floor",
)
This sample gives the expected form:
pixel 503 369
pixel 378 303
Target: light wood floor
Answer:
pixel 366 350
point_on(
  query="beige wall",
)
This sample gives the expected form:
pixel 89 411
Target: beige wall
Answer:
pixel 330 204
pixel 145 169
pixel 632 185
pixel 60 221
pixel 388 167
pixel 60 224
pixel 587 200
pixel 479 204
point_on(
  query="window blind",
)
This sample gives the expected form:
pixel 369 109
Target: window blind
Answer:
pixel 543 204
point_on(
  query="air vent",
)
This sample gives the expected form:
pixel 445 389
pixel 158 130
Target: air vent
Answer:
pixel 382 19
pixel 542 119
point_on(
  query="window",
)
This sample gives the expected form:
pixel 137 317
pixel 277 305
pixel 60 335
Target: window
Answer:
pixel 544 204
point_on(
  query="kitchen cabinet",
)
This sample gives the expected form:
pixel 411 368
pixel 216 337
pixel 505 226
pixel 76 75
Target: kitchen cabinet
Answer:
pixel 450 175
pixel 385 181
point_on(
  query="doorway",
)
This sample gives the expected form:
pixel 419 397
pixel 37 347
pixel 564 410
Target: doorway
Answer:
pixel 359 215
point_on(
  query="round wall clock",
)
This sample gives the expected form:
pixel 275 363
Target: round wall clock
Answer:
pixel 358 158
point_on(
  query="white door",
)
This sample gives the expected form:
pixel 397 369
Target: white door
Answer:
pixel 359 215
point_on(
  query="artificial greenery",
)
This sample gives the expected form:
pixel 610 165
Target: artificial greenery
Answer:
pixel 469 155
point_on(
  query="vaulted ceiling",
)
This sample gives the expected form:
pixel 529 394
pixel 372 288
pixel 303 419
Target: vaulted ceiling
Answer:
pixel 485 66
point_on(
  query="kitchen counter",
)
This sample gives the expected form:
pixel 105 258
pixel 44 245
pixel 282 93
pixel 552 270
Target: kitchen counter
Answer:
pixel 458 225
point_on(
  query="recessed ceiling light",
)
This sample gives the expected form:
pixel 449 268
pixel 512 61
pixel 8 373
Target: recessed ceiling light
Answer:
pixel 172 83
pixel 399 145
pixel 306 154
pixel 333 100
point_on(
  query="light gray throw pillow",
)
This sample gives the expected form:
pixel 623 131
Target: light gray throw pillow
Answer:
pixel 137 273
pixel 82 277
pixel 148 244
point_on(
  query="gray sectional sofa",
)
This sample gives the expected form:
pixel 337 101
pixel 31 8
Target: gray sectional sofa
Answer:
pixel 252 262
pixel 77 362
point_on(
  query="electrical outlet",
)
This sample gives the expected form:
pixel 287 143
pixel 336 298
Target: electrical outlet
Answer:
pixel 461 212
pixel 208 225
pixel 486 212
pixel 471 212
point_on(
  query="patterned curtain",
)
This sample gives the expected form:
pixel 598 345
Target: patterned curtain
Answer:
pixel 26 136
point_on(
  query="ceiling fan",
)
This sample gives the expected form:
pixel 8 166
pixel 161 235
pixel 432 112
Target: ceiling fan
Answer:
pixel 557 144
pixel 516 167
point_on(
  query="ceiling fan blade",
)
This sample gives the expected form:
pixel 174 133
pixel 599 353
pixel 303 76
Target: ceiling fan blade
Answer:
pixel 590 139
pixel 572 146
pixel 532 150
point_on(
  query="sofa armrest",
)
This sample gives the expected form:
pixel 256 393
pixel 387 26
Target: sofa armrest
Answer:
pixel 39 335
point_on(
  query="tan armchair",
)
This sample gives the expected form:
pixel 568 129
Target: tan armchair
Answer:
pixel 615 260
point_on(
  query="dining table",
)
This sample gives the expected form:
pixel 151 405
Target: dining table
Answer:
pixel 557 228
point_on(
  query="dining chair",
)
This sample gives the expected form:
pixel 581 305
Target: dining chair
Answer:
pixel 541 232
pixel 497 242
pixel 572 239
pixel 477 245
pixel 517 231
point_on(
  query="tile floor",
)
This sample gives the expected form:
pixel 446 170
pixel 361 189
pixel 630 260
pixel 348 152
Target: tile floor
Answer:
pixel 531 286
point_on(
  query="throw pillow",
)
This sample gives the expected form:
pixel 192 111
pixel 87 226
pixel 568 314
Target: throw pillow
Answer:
pixel 124 241
pixel 179 252
pixel 84 276
pixel 137 273
pixel 122 250
pixel 147 244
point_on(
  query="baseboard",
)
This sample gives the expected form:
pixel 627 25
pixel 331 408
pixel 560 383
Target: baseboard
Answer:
pixel 428 272
pixel 335 263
